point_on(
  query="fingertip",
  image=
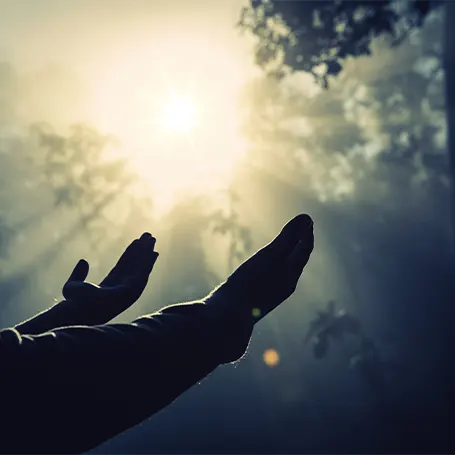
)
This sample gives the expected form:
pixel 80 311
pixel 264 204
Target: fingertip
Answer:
pixel 304 220
pixel 83 266
pixel 297 224
pixel 147 240
pixel 80 271
pixel 82 263
pixel 292 233
pixel 304 228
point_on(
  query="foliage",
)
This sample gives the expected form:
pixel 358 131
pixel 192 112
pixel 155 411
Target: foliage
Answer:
pixel 315 36
pixel 76 169
pixel 227 223
pixel 379 122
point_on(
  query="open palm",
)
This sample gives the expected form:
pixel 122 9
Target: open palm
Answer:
pixel 271 275
pixel 90 304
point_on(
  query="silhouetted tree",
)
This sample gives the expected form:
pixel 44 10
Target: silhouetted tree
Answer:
pixel 315 36
pixel 81 177
pixel 227 223
pixel 336 139
pixel 318 37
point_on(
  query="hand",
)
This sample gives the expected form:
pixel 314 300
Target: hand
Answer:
pixel 91 304
pixel 271 275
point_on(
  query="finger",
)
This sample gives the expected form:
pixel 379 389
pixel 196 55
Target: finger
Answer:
pixel 279 249
pixel 148 242
pixel 149 262
pixel 300 256
pixel 289 237
pixel 123 264
pixel 128 256
pixel 136 282
pixel 146 256
pixel 130 259
pixel 140 275
pixel 147 237
pixel 80 271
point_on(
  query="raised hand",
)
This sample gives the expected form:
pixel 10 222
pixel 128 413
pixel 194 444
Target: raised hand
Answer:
pixel 90 304
pixel 271 275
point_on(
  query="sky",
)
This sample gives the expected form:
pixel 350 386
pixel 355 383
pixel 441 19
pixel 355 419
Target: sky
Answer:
pixel 79 32
pixel 119 66
pixel 122 65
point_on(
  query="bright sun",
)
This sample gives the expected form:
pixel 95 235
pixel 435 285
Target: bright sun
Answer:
pixel 180 115
pixel 180 130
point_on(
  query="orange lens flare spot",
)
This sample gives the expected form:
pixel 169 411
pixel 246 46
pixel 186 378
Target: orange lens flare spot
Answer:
pixel 271 358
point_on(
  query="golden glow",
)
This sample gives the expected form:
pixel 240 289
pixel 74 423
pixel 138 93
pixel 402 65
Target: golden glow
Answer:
pixel 176 113
pixel 179 115
pixel 161 77
pixel 271 358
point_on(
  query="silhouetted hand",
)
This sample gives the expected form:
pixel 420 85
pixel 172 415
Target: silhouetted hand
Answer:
pixel 271 275
pixel 90 304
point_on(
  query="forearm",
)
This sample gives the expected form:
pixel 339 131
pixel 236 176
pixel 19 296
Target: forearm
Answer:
pixel 52 318
pixel 91 383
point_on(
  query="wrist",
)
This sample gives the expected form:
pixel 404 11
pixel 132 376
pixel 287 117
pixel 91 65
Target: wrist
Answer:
pixel 40 323
pixel 235 322
pixel 230 302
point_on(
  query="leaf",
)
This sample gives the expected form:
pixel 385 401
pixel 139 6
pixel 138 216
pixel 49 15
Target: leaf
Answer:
pixel 333 68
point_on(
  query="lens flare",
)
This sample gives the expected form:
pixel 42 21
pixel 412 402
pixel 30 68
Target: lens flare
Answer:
pixel 271 358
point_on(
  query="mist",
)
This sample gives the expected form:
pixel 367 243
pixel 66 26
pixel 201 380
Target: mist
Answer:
pixel 86 165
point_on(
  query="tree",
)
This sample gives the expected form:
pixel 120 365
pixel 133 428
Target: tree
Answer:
pixel 362 133
pixel 81 177
pixel 318 37
pixel 227 223
pixel 315 36
pixel 324 38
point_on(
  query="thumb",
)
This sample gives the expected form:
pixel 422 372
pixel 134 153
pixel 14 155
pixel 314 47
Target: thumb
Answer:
pixel 79 272
pixel 75 287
